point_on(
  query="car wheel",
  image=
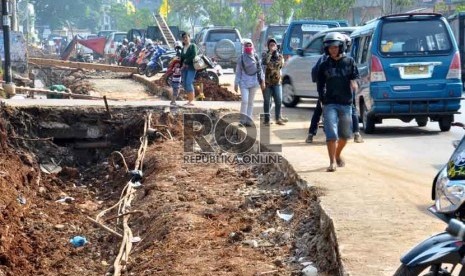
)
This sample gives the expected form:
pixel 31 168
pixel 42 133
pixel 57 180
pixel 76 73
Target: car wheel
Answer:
pixel 421 121
pixel 289 97
pixel 367 120
pixel 225 49
pixel 445 122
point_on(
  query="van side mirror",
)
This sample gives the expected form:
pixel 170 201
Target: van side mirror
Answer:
pixel 300 52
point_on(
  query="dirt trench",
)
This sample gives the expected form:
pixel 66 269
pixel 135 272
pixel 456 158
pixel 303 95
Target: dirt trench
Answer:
pixel 193 219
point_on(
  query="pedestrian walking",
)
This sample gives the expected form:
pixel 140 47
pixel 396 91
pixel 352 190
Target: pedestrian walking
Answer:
pixel 249 78
pixel 272 62
pixel 313 129
pixel 189 52
pixel 335 82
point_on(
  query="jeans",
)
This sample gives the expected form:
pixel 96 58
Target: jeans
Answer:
pixel 337 121
pixel 316 119
pixel 247 95
pixel 188 76
pixel 276 92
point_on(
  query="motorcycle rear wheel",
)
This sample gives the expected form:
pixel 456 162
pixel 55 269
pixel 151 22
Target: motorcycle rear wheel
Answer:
pixel 150 72
pixel 434 270
pixel 141 68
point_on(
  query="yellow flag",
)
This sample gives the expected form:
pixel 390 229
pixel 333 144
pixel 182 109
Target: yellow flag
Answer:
pixel 164 9
pixel 130 8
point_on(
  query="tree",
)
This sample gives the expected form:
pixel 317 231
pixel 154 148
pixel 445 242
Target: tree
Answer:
pixel 219 13
pixel 76 13
pixel 126 18
pixel 328 9
pixel 281 11
pixel 248 18
pixel 190 10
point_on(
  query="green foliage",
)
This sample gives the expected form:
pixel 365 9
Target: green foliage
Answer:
pixel 57 13
pixel 328 9
pixel 281 11
pixel 124 19
pixel 460 8
pixel 248 18
pixel 219 13
pixel 190 10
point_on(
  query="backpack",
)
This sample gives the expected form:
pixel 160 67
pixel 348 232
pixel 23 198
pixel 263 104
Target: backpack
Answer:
pixel 257 61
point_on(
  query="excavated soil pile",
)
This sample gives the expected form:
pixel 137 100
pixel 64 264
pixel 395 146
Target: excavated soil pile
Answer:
pixel 192 219
pixel 211 90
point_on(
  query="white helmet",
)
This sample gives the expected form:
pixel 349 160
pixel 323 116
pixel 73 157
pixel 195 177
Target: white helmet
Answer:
pixel 148 41
pixel 178 44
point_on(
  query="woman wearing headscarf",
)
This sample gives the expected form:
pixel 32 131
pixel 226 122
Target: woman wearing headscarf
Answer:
pixel 249 78
pixel 188 54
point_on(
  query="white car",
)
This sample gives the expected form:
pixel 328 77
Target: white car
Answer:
pixel 296 74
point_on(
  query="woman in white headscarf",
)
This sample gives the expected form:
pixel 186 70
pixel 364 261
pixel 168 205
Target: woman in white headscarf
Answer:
pixel 249 78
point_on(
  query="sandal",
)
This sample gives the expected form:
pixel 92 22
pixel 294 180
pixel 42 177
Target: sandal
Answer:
pixel 340 162
pixel 331 168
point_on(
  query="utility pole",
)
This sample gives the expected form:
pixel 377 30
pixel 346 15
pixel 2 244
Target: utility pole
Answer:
pixel 14 16
pixel 8 86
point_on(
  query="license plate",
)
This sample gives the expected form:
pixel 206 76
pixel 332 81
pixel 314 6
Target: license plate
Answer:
pixel 415 70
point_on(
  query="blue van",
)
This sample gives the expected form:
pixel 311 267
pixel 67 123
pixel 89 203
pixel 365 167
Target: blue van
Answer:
pixel 409 68
pixel 299 33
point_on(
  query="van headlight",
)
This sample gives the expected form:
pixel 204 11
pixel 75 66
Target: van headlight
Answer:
pixel 450 194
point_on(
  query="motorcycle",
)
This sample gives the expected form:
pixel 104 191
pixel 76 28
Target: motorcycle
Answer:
pixel 439 255
pixel 143 60
pixel 212 71
pixel 159 61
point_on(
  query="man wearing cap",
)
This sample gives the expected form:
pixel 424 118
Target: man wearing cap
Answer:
pixel 272 62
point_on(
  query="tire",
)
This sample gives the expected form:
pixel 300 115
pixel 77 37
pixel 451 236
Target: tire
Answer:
pixel 213 77
pixel 445 122
pixel 225 49
pixel 422 121
pixel 149 72
pixel 367 121
pixel 404 270
pixel 141 68
pixel 289 97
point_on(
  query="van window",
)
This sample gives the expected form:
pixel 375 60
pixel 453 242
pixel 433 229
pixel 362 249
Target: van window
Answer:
pixel 316 45
pixel 119 37
pixel 416 37
pixel 276 32
pixel 301 34
pixel 215 36
pixel 365 49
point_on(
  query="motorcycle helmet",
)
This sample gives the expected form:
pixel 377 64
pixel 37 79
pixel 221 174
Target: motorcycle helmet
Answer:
pixel 178 45
pixel 334 39
pixel 348 42
pixel 131 44
pixel 125 41
pixel 148 42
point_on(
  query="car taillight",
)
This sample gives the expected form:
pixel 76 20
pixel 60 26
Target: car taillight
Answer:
pixel 377 72
pixel 112 45
pixel 455 72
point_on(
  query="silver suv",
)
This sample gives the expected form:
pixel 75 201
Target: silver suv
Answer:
pixel 223 44
pixel 297 81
